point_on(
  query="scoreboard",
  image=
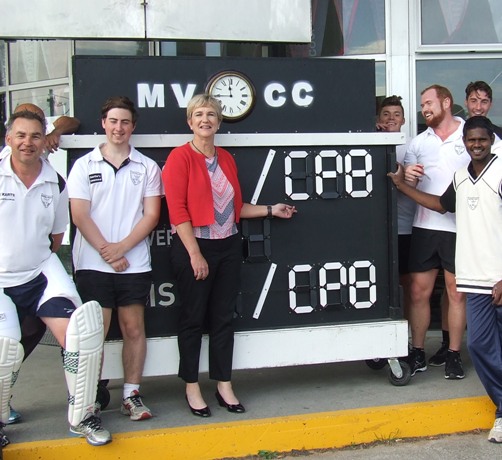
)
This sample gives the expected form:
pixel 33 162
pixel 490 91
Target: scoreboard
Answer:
pixel 320 287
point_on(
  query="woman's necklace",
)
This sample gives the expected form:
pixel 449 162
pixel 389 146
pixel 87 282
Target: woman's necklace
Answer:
pixel 200 151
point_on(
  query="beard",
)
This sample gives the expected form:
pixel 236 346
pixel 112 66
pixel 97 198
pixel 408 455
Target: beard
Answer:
pixel 435 120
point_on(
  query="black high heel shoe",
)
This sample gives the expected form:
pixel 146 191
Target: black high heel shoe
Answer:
pixel 236 408
pixel 204 412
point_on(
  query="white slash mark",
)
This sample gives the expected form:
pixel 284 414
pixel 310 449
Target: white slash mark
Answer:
pixel 264 291
pixel 263 176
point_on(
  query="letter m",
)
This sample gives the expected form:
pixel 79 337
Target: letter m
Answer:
pixel 150 97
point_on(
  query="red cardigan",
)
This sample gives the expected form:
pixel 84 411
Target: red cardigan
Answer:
pixel 188 187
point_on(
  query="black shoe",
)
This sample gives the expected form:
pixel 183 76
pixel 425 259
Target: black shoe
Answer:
pixel 236 408
pixel 416 361
pixel 439 358
pixel 453 369
pixel 204 412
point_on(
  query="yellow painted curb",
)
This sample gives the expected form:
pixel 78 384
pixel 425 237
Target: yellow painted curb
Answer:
pixel 282 434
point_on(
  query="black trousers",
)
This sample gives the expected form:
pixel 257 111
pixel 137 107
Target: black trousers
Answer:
pixel 208 303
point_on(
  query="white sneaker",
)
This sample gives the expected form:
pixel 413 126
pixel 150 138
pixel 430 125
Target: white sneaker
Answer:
pixel 133 407
pixel 496 432
pixel 90 428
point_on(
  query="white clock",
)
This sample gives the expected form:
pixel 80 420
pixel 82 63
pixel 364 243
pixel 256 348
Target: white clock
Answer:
pixel 235 92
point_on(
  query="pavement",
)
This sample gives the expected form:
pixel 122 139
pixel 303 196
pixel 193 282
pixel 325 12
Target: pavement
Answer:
pixel 292 411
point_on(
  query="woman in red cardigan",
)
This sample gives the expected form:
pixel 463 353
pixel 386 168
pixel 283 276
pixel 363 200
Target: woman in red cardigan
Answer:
pixel 205 205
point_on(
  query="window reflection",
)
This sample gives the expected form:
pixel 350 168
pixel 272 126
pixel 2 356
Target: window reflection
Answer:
pixel 3 51
pixel 3 119
pixel 456 74
pixel 224 49
pixel 111 48
pixel 344 27
pixel 461 21
pixel 53 100
pixel 36 60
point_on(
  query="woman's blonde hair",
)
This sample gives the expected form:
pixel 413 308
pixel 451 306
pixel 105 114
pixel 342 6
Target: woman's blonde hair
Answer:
pixel 204 100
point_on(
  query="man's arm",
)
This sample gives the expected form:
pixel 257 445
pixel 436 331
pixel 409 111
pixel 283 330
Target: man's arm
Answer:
pixel 63 125
pixel 81 216
pixel 424 199
pixel 57 240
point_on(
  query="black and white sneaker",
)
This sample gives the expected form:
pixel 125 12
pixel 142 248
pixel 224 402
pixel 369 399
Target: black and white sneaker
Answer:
pixel 416 361
pixel 453 369
pixel 439 358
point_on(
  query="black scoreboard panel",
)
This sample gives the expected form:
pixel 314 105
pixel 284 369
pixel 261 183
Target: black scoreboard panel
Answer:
pixel 341 97
pixel 333 262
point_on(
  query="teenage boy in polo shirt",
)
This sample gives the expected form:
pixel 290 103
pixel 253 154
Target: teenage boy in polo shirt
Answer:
pixel 115 194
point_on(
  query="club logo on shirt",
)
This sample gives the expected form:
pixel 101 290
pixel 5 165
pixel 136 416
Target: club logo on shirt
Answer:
pixel 46 199
pixel 459 149
pixel 473 201
pixel 94 178
pixel 136 177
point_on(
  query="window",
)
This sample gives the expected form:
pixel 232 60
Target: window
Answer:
pixel 3 119
pixel 461 22
pixel 343 28
pixel 3 73
pixel 37 60
pixel 456 74
pixel 111 48
pixel 195 48
pixel 53 100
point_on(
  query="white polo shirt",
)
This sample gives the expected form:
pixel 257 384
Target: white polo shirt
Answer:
pixel 116 198
pixel 28 217
pixel 440 160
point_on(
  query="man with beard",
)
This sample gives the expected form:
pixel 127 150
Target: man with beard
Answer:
pixel 431 160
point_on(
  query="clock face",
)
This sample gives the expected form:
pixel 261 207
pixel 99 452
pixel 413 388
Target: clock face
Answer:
pixel 235 93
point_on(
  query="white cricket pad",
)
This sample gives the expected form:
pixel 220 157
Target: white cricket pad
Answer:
pixel 11 357
pixel 9 321
pixel 82 359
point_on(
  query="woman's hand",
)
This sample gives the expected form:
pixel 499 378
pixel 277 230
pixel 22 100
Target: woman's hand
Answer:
pixel 283 211
pixel 200 267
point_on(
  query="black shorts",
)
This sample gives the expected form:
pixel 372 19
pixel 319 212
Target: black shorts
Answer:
pixel 403 250
pixel 113 290
pixel 432 249
pixel 26 298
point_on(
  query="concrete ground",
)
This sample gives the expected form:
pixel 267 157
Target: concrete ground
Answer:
pixel 295 409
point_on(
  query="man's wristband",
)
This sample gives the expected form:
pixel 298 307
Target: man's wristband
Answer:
pixel 269 212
